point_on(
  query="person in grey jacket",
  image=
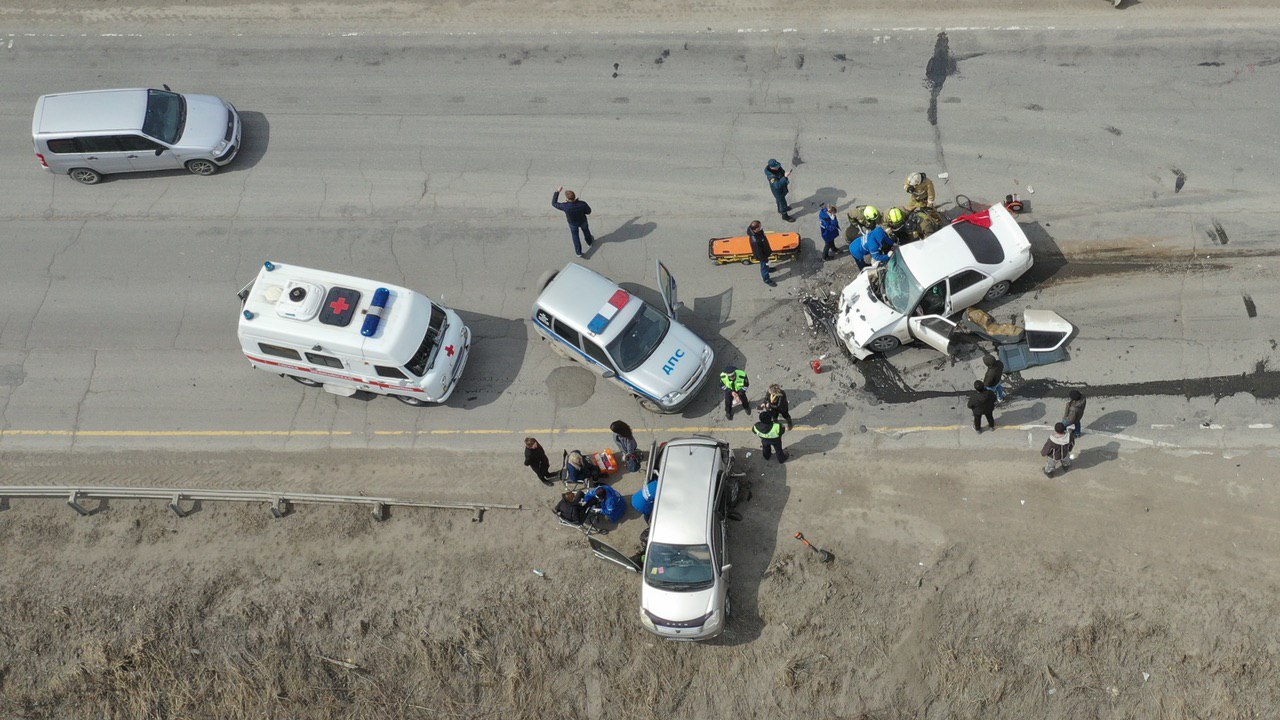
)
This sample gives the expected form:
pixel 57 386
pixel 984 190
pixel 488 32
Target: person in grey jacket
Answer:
pixel 1074 412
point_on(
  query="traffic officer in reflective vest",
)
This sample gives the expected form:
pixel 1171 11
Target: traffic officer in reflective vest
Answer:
pixel 769 430
pixel 734 382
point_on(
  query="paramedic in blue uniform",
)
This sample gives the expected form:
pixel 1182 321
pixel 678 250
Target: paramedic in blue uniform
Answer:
pixel 576 212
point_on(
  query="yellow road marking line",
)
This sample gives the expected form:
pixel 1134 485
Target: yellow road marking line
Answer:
pixel 705 429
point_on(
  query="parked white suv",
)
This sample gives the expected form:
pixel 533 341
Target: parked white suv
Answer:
pixel 102 132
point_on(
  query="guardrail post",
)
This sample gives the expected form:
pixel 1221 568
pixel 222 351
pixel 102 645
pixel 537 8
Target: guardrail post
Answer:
pixel 72 501
pixel 479 515
pixel 281 507
pixel 381 511
pixel 175 504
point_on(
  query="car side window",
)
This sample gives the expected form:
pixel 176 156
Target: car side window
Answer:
pixel 966 279
pixel 137 143
pixel 934 300
pixel 106 144
pixel 63 145
pixel 278 351
pixel 597 353
pixel 325 360
pixel 565 332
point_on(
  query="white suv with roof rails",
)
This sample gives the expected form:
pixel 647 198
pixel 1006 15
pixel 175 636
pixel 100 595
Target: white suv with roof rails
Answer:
pixel 103 132
pixel 588 318
pixel 684 595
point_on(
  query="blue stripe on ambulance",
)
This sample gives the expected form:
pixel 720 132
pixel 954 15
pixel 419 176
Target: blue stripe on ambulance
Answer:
pixel 592 360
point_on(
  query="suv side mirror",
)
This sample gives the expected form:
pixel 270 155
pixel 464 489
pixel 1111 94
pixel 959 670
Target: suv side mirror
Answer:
pixel 608 374
pixel 726 568
pixel 159 152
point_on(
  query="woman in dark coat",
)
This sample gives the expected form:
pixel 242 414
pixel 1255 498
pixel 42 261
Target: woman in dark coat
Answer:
pixel 535 458
pixel 775 401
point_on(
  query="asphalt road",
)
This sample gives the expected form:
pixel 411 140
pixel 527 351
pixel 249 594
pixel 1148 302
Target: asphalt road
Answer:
pixel 429 160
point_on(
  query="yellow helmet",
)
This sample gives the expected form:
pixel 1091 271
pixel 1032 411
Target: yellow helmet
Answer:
pixel 871 214
pixel 895 217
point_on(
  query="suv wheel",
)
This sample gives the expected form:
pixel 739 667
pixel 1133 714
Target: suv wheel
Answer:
pixel 305 381
pixel 415 402
pixel 86 176
pixel 202 167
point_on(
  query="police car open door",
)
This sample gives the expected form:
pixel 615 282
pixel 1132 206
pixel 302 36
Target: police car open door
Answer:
pixel 932 330
pixel 667 286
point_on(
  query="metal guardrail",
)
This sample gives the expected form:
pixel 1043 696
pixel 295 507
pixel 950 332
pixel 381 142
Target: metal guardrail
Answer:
pixel 281 502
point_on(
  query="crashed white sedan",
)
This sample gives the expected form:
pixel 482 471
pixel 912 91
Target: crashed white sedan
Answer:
pixel 911 296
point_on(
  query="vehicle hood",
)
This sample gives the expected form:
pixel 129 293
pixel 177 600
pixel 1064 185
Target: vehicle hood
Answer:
pixel 676 606
pixel 861 317
pixel 206 122
pixel 673 364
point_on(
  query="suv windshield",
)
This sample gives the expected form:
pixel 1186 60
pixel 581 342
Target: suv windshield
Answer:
pixel 900 287
pixel 679 568
pixel 638 341
pixel 166 114
pixel 425 357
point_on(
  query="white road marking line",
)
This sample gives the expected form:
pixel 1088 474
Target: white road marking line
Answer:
pixel 1260 426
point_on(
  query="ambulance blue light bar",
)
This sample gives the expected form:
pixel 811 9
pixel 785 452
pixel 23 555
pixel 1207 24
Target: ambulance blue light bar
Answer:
pixel 374 314
pixel 608 312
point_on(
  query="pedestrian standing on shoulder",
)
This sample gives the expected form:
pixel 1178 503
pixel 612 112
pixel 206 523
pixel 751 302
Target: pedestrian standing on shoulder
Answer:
pixel 1057 449
pixel 779 185
pixel 994 377
pixel 627 445
pixel 576 212
pixel 760 250
pixel 535 458
pixel 1074 412
pixel 734 382
pixel 829 227
pixel 769 430
pixel 982 402
pixel 775 402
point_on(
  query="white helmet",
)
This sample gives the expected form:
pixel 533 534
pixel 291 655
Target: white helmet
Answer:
pixel 914 179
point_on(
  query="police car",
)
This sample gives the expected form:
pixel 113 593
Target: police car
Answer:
pixel 347 334
pixel 590 319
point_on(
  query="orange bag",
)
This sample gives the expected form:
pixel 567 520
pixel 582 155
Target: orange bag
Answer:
pixel 606 461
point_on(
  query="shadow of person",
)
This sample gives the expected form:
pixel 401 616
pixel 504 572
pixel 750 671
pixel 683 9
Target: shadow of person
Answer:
pixel 1022 416
pixel 629 230
pixel 1116 421
pixel 813 203
pixel 812 445
pixel 1093 456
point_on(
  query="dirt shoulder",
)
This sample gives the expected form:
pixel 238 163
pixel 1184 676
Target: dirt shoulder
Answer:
pixel 516 16
pixel 1138 585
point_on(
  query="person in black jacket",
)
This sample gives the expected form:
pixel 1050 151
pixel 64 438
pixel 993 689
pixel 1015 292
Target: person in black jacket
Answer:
pixel 760 249
pixel 571 508
pixel 982 402
pixel 535 458
pixel 576 212
pixel 775 402
pixel 993 380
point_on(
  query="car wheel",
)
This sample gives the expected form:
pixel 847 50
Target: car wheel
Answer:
pixel 202 167
pixel 305 381
pixel 728 606
pixel 998 290
pixel 415 402
pixel 648 404
pixel 86 176
pixel 884 344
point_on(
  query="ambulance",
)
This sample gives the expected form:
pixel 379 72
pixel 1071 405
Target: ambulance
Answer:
pixel 346 334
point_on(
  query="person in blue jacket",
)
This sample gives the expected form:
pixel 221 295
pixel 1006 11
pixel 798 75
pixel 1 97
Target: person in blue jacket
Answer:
pixel 643 500
pixel 576 212
pixel 829 226
pixel 609 503
pixel 875 243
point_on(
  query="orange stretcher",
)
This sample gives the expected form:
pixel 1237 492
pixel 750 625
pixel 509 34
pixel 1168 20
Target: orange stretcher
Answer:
pixel 723 251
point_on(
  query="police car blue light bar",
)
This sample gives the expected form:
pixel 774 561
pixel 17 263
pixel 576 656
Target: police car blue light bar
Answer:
pixel 607 313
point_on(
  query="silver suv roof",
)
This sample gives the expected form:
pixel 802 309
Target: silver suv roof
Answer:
pixel 686 492
pixel 91 111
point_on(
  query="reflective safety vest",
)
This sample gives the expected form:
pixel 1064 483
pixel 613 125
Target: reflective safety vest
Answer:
pixel 734 381
pixel 773 433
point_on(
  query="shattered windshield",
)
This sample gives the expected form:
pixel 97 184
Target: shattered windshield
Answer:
pixel 680 568
pixel 900 287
